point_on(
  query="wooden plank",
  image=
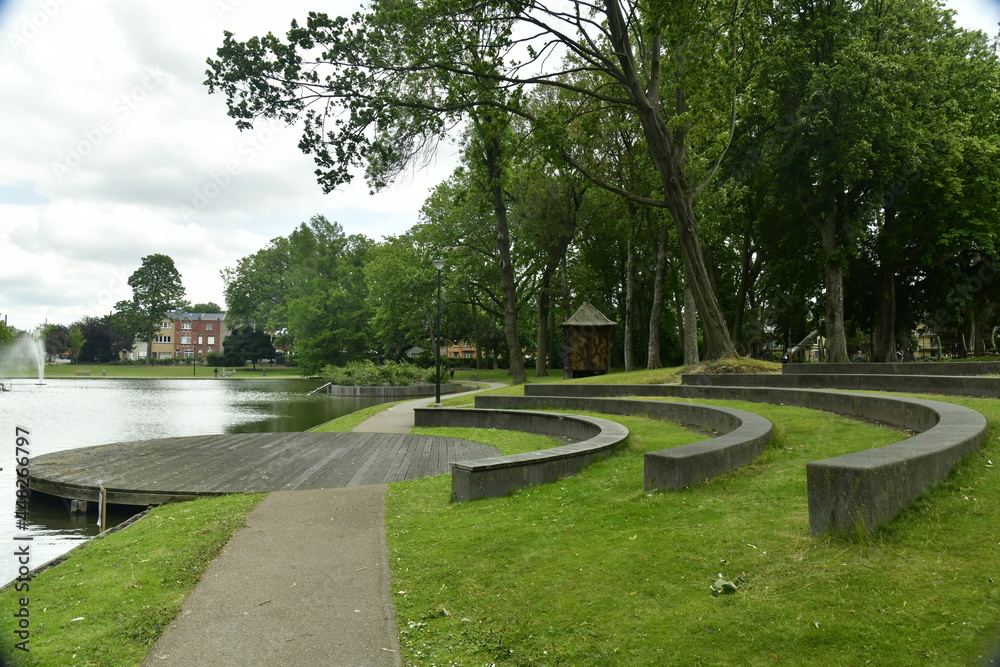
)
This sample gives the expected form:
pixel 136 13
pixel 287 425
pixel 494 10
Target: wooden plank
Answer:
pixel 228 463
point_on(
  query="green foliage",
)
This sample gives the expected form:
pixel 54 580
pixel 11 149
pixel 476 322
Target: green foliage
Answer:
pixel 75 341
pixel 8 334
pixel 246 344
pixel 367 373
pixel 309 290
pixel 156 288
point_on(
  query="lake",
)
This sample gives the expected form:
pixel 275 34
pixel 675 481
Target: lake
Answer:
pixel 70 413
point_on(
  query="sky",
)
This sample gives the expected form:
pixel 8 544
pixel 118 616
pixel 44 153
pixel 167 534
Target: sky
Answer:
pixel 112 149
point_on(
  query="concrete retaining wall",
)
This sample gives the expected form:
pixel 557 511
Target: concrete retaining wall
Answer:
pixel 912 368
pixel 855 493
pixel 498 476
pixel 390 392
pixel 916 384
pixel 745 435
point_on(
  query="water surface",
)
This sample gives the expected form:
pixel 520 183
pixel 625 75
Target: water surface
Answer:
pixel 69 413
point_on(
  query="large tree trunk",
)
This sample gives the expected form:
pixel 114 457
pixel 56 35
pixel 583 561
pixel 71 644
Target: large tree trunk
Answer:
pixel 690 327
pixel 479 339
pixel 749 271
pixel 492 156
pixel 885 322
pixel 718 344
pixel 149 346
pixel 833 275
pixel 656 312
pixel 630 301
pixel 541 351
pixel 667 151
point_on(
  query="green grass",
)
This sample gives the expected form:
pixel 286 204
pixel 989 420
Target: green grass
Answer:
pixel 508 442
pixel 108 603
pixel 592 570
pixel 70 371
pixel 347 422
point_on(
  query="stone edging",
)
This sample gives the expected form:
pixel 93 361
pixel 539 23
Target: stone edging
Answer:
pixel 745 435
pixel 855 493
pixel 909 368
pixel 390 392
pixel 955 385
pixel 499 475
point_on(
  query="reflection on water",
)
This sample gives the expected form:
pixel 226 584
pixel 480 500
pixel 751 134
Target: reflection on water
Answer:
pixel 65 414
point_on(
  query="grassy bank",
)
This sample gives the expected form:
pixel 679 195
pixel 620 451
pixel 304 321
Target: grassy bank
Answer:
pixel 592 570
pixel 107 604
pixel 184 371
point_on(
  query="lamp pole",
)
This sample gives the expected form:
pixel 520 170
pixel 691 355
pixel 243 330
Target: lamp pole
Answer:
pixel 439 265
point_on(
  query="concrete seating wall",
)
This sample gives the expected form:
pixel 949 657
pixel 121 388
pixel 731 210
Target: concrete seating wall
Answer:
pixel 498 476
pixel 911 368
pixel 916 384
pixel 854 493
pixel 745 435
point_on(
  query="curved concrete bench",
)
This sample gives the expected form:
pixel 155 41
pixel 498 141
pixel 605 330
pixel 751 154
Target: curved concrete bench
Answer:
pixel 915 384
pixel 854 493
pixel 499 475
pixel 745 435
pixel 909 368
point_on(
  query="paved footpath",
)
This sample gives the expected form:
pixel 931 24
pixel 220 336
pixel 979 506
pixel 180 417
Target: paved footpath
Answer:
pixel 306 582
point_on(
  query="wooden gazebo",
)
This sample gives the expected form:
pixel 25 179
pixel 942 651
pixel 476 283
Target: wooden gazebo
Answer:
pixel 588 343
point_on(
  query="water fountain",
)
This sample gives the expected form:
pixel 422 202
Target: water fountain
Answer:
pixel 21 357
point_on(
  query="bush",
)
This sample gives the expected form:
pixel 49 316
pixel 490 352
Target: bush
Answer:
pixel 367 373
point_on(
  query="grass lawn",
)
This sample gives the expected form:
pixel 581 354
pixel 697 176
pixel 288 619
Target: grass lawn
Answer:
pixel 184 371
pixel 109 602
pixel 593 571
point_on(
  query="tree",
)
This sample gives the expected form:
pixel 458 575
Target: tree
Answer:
pixel 76 341
pixel 401 285
pixel 256 289
pixel 156 288
pixel 308 289
pixel 103 342
pixel 210 307
pixel 8 334
pixel 247 344
pixel 869 104
pixel 56 341
pixel 389 82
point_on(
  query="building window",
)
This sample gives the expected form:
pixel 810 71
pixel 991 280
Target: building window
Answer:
pixel 163 339
pixel 186 340
pixel 211 340
pixel 188 354
pixel 164 355
pixel 166 325
pixel 208 326
pixel 186 325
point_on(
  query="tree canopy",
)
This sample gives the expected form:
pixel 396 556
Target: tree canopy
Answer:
pixel 156 288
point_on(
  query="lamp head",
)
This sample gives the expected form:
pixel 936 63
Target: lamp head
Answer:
pixel 438 264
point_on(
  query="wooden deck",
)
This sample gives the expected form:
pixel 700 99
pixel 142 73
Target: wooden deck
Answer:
pixel 152 472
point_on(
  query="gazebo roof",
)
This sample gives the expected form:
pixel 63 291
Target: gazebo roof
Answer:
pixel 588 316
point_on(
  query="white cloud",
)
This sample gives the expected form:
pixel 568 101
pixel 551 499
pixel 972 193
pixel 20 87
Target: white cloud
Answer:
pixel 113 149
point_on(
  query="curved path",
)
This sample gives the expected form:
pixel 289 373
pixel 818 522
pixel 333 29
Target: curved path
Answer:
pixel 306 582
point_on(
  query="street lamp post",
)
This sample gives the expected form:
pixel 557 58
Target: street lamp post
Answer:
pixel 439 265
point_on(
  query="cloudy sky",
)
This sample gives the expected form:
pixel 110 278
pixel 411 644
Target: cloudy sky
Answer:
pixel 111 149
